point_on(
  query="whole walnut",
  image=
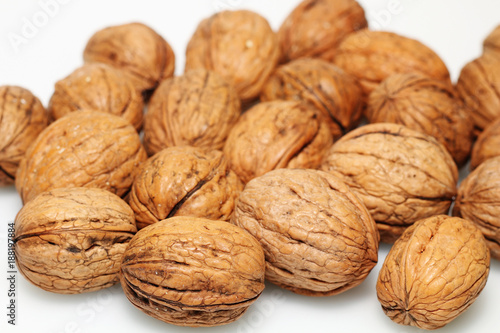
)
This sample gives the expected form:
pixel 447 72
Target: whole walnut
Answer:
pixel 492 41
pixel 317 236
pixel 325 86
pixel 372 56
pixel 433 272
pixel 315 28
pixel 192 271
pixel 487 145
pixel 479 87
pixel 478 200
pixel 196 109
pixel 401 175
pixel 426 105
pixel 135 48
pixel 278 134
pixel 81 149
pixel 22 118
pixel 238 45
pixel 184 181
pixel 71 240
pixel 98 87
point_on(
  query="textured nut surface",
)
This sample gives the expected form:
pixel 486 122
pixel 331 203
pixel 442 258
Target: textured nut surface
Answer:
pixel 238 45
pixel 196 109
pixel 434 272
pixel 22 118
pixel 478 200
pixel 426 105
pixel 98 87
pixel 327 87
pixel 400 174
pixel 135 48
pixel 372 56
pixel 492 41
pixel 487 145
pixel 273 135
pixel 315 28
pixel 83 149
pixel 193 272
pixel 184 181
pixel 317 236
pixel 71 240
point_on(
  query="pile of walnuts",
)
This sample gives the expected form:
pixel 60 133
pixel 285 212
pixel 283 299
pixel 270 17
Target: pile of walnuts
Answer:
pixel 253 166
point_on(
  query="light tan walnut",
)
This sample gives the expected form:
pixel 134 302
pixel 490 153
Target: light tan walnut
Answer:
pixel 487 145
pixel 492 41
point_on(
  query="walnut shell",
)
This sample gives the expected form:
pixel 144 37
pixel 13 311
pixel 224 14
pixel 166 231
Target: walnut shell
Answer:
pixel 238 45
pixel 315 28
pixel 492 41
pixel 71 240
pixel 327 87
pixel 434 272
pixel 196 109
pixel 81 149
pixel 487 145
pixel 192 271
pixel 184 181
pixel 318 237
pixel 426 105
pixel 135 48
pixel 98 87
pixel 278 134
pixel 372 56
pixel 478 200
pixel 400 174
pixel 22 118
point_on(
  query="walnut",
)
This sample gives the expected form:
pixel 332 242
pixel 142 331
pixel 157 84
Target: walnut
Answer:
pixel 279 134
pixel 71 240
pixel 479 87
pixel 372 56
pixel 477 201
pixel 433 272
pixel 318 237
pixel 98 87
pixel 487 145
pixel 315 28
pixel 426 105
pixel 135 48
pixel 192 271
pixel 400 174
pixel 238 45
pixel 492 41
pixel 81 149
pixel 327 87
pixel 22 118
pixel 196 109
pixel 184 181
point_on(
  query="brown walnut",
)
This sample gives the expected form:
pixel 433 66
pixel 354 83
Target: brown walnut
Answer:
pixel 433 272
pixel 487 145
pixel 192 271
pixel 492 41
pixel 317 236
pixel 22 118
pixel 400 174
pixel 71 240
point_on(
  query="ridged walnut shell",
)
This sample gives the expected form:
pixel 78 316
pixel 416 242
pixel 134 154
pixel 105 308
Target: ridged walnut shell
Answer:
pixel 318 237
pixel 98 87
pixel 278 134
pixel 71 240
pixel 82 149
pixel 238 45
pixel 22 118
pixel 315 28
pixel 372 56
pixel 136 49
pixel 184 181
pixel 478 200
pixel 434 272
pixel 400 174
pixel 487 145
pixel 197 109
pixel 492 41
pixel 426 105
pixel 191 271
pixel 325 86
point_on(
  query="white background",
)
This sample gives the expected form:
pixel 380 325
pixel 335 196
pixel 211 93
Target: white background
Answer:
pixel 453 28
